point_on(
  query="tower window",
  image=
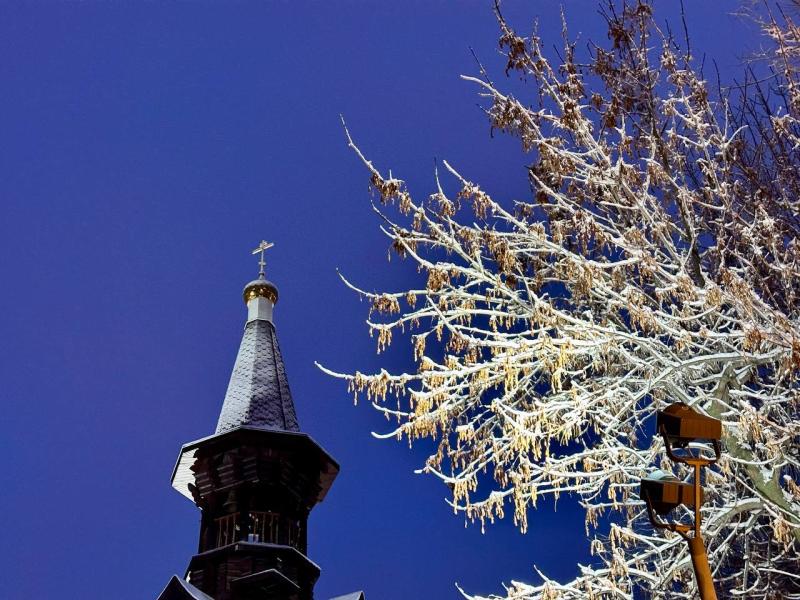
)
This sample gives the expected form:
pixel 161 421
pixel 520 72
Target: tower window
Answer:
pixel 272 528
pixel 264 527
pixel 226 530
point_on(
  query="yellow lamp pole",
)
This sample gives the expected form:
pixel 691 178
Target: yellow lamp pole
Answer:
pixel 680 425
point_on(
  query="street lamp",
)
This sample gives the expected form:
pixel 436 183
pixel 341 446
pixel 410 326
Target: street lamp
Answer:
pixel 684 431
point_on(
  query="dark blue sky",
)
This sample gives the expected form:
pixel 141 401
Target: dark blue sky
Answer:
pixel 144 150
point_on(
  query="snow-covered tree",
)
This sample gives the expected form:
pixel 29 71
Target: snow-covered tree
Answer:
pixel 656 261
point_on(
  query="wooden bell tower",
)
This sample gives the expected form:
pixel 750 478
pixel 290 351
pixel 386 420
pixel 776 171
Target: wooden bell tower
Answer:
pixel 256 479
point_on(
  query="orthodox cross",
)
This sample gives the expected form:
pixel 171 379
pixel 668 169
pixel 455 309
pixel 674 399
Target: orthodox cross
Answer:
pixel 262 247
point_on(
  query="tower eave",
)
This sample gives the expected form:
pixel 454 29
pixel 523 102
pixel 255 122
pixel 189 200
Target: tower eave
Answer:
pixel 183 476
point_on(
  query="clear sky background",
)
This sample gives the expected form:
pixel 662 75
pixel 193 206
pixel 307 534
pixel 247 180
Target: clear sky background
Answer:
pixel 145 148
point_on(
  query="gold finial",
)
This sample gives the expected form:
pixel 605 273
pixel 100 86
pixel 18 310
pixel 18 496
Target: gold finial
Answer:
pixel 262 247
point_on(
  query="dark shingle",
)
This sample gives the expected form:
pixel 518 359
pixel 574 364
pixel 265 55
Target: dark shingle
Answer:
pixel 258 393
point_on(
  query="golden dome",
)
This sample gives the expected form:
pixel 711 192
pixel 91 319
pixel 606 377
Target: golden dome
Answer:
pixel 260 288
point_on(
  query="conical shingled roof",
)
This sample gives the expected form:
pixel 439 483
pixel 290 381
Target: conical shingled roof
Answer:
pixel 258 393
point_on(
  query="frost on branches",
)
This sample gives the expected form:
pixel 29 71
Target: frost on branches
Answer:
pixel 656 261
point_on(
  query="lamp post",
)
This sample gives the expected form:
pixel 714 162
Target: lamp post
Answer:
pixel 682 428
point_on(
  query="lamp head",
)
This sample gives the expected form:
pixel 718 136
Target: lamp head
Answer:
pixel 680 425
pixel 663 492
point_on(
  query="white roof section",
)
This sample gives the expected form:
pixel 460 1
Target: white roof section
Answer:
pixel 180 588
pixel 352 596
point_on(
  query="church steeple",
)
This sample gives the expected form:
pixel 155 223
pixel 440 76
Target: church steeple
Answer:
pixel 258 393
pixel 256 479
